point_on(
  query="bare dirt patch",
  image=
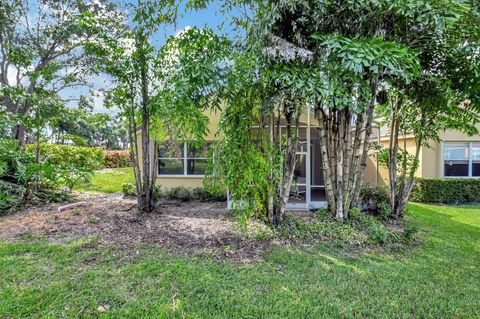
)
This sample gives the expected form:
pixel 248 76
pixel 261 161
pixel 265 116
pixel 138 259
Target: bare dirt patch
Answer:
pixel 183 228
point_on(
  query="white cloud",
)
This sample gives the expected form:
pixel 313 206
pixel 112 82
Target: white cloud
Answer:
pixel 181 32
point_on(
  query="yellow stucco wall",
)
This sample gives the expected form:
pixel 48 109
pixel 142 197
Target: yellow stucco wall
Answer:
pixel 378 174
pixel 214 120
pixel 185 181
pixel 430 157
pixel 192 181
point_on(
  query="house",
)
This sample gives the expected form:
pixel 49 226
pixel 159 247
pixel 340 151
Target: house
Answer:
pixel 456 155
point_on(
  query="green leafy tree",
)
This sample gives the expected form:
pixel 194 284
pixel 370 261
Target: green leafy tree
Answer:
pixel 161 92
pixel 445 96
pixel 42 47
pixel 357 48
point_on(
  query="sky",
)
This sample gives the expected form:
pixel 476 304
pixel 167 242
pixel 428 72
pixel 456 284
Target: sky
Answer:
pixel 211 17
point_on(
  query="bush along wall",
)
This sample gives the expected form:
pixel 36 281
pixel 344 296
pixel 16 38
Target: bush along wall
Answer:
pixel 89 158
pixel 446 190
pixel 114 159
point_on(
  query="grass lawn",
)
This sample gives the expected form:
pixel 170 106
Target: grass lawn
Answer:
pixel 108 181
pixel 439 279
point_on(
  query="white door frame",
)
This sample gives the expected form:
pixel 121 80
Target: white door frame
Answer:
pixel 309 204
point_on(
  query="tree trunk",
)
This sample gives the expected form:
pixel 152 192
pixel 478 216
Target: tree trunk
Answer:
pixel 366 143
pixel 289 166
pixel 347 155
pixel 132 127
pixel 327 170
pixel 339 213
pixel 146 203
pixel 404 193
pixel 393 161
pixel 355 159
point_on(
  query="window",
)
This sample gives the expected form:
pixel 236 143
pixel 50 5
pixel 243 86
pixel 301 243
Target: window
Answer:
pixel 461 160
pixel 197 159
pixel 182 159
pixel 456 157
pixel 170 159
pixel 475 159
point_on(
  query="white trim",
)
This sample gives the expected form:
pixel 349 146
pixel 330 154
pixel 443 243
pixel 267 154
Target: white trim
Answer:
pixel 180 176
pixel 184 159
pixel 308 203
pixel 470 159
pixel 442 160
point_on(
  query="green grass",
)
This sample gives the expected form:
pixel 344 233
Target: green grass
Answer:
pixel 107 182
pixel 439 279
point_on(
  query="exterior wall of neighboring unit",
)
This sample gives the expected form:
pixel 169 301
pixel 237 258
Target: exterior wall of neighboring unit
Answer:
pixel 377 174
pixel 432 161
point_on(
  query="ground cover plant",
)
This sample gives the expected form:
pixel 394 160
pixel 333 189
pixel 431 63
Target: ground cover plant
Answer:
pixel 308 281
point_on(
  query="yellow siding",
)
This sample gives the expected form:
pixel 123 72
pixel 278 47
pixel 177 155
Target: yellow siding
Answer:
pixel 214 121
pixel 456 136
pixel 430 161
pixel 378 174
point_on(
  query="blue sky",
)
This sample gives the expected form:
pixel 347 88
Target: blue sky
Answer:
pixel 211 17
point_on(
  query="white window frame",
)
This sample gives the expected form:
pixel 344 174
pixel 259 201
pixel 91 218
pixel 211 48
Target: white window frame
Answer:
pixel 470 158
pixel 183 159
pixel 186 159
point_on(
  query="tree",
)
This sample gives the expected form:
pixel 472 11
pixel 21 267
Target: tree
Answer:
pixel 338 59
pixel 86 128
pixel 42 47
pixel 161 92
pixel 444 97
pixel 358 48
pixel 256 157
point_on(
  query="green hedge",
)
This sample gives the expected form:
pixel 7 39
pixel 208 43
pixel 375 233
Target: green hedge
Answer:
pixel 77 156
pixel 446 190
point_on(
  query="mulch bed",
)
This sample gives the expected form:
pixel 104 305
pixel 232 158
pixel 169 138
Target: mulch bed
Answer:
pixel 181 228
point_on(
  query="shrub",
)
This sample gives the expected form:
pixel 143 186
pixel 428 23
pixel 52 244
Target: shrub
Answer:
pixel 446 190
pixel 180 193
pixel 384 210
pixel 71 175
pixel 376 200
pixel 86 158
pixel 378 233
pixel 257 229
pixel 129 190
pixel 409 232
pixel 114 159
pixel 318 228
pixel 22 179
pixel 208 195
